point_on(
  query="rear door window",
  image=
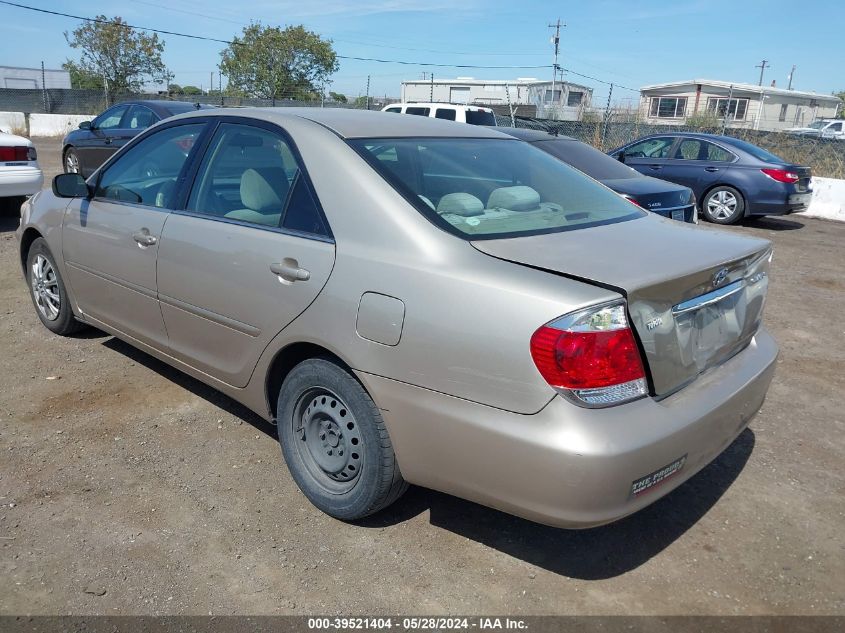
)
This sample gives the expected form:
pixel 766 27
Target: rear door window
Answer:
pixel 418 111
pixel 249 174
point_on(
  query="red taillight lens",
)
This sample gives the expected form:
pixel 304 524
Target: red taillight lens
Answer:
pixel 14 153
pixel 632 200
pixel 591 357
pixel 781 175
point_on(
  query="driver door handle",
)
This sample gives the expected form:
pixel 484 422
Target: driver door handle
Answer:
pixel 711 169
pixel 288 270
pixel 144 238
pixel 656 167
pixel 107 140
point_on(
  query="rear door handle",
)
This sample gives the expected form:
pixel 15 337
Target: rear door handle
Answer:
pixel 711 169
pixel 144 238
pixel 107 140
pixel 656 167
pixel 288 270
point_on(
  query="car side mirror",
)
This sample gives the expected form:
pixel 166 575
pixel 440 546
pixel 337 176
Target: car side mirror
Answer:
pixel 85 125
pixel 621 157
pixel 70 186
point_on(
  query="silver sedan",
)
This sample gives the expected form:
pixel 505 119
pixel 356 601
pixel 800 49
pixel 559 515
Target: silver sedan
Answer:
pixel 416 301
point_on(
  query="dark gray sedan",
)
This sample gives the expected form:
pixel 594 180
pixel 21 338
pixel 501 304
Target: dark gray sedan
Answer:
pixel 85 149
pixel 652 194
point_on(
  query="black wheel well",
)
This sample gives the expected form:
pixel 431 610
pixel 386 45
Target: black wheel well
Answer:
pixel 288 358
pixel 28 237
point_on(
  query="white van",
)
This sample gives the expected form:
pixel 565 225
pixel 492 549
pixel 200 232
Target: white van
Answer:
pixel 474 115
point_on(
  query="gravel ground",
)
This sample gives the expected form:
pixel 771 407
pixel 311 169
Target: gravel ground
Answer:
pixel 129 488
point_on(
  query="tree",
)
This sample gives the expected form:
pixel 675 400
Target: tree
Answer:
pixel 174 88
pixel 82 79
pixel 841 95
pixel 274 63
pixel 191 90
pixel 336 96
pixel 124 57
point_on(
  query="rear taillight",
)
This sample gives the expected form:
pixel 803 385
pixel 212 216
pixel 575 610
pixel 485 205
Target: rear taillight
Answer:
pixel 781 175
pixel 632 200
pixel 16 154
pixel 591 357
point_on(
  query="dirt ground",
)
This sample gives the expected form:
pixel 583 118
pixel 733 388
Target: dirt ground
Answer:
pixel 129 488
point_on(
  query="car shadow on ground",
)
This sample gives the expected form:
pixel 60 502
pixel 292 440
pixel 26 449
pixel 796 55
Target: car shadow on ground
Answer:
pixel 769 223
pixel 593 554
pixel 9 221
pixel 191 384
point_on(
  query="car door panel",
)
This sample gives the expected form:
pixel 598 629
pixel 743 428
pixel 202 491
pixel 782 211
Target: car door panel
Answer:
pixel 697 164
pixel 110 242
pixel 96 148
pixel 221 302
pixel 650 156
pixel 113 276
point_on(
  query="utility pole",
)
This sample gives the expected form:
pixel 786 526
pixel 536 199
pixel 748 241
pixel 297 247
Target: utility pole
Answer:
pixel 43 88
pixel 762 66
pixel 368 92
pixel 210 81
pixel 431 91
pixel 556 40
pixel 791 75
pixel 727 110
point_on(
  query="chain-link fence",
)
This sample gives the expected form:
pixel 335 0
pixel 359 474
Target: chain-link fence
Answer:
pixel 826 157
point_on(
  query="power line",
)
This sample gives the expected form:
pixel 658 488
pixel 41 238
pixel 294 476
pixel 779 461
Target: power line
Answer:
pixel 348 57
pixel 232 43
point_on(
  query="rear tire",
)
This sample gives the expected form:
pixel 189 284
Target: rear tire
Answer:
pixel 335 443
pixel 47 290
pixel 723 205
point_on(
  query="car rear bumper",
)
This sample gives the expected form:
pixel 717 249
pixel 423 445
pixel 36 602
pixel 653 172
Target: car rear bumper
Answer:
pixel 567 466
pixel 22 181
pixel 781 205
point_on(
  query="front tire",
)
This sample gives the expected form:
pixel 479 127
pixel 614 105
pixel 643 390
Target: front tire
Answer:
pixel 48 292
pixel 71 162
pixel 723 205
pixel 335 443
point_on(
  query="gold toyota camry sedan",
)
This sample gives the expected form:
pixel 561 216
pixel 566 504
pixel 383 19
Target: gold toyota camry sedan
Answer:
pixel 416 301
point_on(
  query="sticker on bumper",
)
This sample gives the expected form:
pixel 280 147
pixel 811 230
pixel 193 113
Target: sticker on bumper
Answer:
pixel 644 484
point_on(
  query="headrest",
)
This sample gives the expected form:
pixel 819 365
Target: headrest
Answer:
pixel 460 204
pixel 518 198
pixel 265 190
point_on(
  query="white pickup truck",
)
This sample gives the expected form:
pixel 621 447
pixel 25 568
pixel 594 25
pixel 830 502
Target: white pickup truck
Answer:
pixel 823 128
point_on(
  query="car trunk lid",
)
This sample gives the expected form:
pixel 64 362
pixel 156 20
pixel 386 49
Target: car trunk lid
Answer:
pixel 695 295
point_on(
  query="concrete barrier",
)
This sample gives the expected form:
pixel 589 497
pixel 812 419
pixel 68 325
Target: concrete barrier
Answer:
pixel 828 200
pixel 12 122
pixel 55 124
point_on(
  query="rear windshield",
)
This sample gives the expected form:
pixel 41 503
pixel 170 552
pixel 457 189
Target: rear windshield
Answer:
pixel 480 117
pixel 588 159
pixel 757 152
pixel 493 188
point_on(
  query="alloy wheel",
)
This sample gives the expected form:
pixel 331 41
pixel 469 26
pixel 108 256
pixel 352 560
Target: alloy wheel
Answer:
pixel 71 163
pixel 45 288
pixel 722 205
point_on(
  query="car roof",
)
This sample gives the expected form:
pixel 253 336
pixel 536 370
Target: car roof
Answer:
pixel 163 105
pixel 348 123
pixel 533 135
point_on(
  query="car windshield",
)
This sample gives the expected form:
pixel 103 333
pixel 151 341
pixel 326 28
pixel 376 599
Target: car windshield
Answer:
pixel 588 159
pixel 757 152
pixel 817 125
pixel 480 117
pixel 493 188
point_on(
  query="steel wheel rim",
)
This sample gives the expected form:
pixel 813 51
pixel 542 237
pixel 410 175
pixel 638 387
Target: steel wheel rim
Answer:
pixel 328 440
pixel 71 163
pixel 722 205
pixel 45 288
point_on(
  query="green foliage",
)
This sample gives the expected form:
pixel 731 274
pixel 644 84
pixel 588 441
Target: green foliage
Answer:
pixel 126 58
pixel 841 95
pixel 705 120
pixel 361 102
pixel 191 90
pixel 274 63
pixel 82 79
pixel 336 96
pixel 174 89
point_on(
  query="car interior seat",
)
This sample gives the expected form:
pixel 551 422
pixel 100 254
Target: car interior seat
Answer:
pixel 263 194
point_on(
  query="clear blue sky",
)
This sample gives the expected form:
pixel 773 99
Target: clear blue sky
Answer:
pixel 632 43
